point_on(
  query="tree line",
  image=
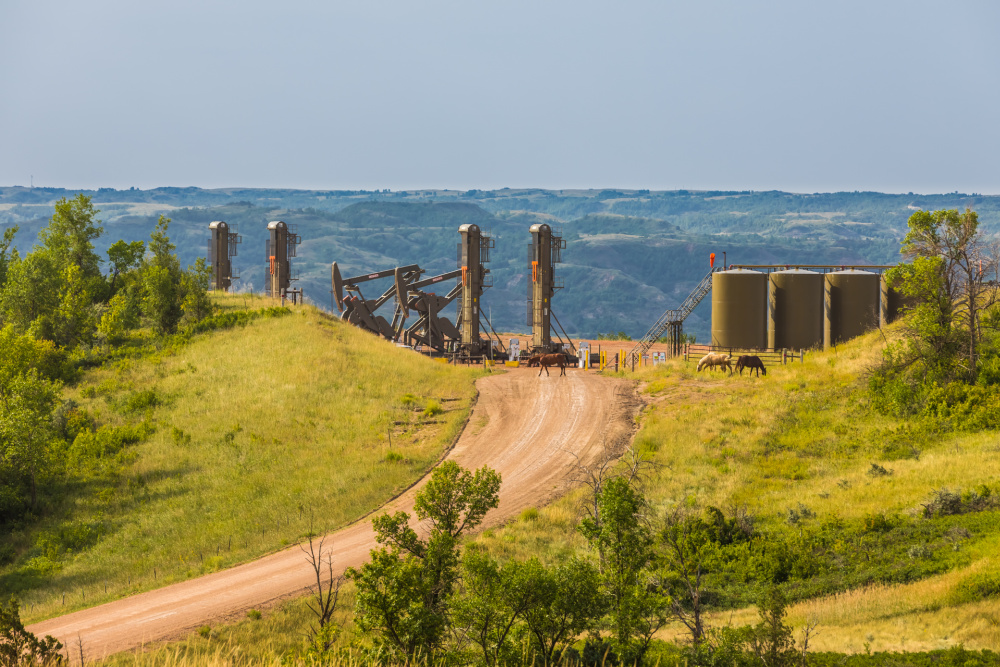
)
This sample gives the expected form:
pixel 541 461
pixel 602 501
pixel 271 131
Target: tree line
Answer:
pixel 427 597
pixel 64 307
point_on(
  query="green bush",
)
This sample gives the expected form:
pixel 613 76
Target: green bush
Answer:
pixel 106 441
pixel 432 409
pixel 140 401
pixel 976 587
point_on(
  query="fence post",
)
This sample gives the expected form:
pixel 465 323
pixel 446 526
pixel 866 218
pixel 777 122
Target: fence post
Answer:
pixel 802 356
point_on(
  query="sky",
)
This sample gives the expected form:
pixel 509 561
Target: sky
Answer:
pixel 796 96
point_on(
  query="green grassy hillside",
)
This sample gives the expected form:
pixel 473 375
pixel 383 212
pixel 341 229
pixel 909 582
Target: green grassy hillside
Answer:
pixel 886 532
pixel 883 532
pixel 215 451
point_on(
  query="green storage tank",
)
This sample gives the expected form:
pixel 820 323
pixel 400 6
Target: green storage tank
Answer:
pixel 739 309
pixel 851 305
pixel 893 303
pixel 795 300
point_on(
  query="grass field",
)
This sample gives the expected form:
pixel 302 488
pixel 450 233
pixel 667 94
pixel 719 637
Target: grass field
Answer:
pixel 250 439
pixel 803 437
pixel 796 449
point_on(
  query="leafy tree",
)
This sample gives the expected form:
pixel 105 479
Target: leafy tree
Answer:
pixel 159 302
pixel 196 304
pixel 160 247
pixel 121 315
pixel 568 602
pixel 689 548
pixel 26 404
pixel 124 258
pixel 496 598
pixel 31 291
pixel 69 236
pixel 624 540
pixel 20 648
pixel 948 281
pixel 771 641
pixel 403 593
pixel 73 321
pixel 5 242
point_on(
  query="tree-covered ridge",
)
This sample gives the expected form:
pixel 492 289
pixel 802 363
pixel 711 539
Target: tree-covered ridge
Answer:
pixel 630 255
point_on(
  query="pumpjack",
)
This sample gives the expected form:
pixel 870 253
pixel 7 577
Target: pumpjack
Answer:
pixel 431 330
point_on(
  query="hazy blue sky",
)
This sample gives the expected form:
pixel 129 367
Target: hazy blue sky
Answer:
pixel 801 96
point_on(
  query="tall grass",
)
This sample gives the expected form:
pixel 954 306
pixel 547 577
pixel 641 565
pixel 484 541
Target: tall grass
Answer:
pixel 261 435
pixel 803 435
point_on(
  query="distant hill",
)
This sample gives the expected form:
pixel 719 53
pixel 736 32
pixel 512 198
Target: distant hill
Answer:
pixel 630 253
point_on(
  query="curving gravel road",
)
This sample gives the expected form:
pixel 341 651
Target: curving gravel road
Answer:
pixel 523 426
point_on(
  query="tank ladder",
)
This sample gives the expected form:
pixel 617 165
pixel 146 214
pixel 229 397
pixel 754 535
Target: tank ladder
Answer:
pixel 671 318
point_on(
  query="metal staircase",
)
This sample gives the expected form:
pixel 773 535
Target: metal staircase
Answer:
pixel 672 317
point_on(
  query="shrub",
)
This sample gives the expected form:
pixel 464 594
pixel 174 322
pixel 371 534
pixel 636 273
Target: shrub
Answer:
pixel 392 457
pixel 254 615
pixel 800 513
pixel 205 631
pixel 976 587
pixel 944 502
pixel 432 408
pixel 877 523
pixel 879 471
pixel 140 400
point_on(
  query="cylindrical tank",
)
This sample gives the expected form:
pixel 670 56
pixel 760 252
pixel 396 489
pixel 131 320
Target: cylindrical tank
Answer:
pixel 795 298
pixel 893 302
pixel 851 305
pixel 739 309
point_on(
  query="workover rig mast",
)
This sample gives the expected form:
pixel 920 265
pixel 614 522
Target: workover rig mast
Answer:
pixel 222 242
pixel 408 291
pixel 280 248
pixel 544 251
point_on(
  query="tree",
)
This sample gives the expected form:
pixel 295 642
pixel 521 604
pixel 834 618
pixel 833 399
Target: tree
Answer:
pixel 324 599
pixel 5 243
pixel 159 302
pixel 31 291
pixel 496 598
pixel 568 602
pixel 196 305
pixel 20 648
pixel 160 247
pixel 26 404
pixel 948 280
pixel 124 257
pixel 771 641
pixel 622 537
pixel 121 315
pixel 73 321
pixel 403 593
pixel 69 236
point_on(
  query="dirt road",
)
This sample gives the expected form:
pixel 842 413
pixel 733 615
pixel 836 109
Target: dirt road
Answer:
pixel 522 426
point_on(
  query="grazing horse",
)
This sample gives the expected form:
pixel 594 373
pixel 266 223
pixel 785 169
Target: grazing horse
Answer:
pixel 533 361
pixel 711 360
pixel 546 360
pixel 751 363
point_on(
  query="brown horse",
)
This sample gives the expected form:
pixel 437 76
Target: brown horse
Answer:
pixel 546 360
pixel 751 363
pixel 533 361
